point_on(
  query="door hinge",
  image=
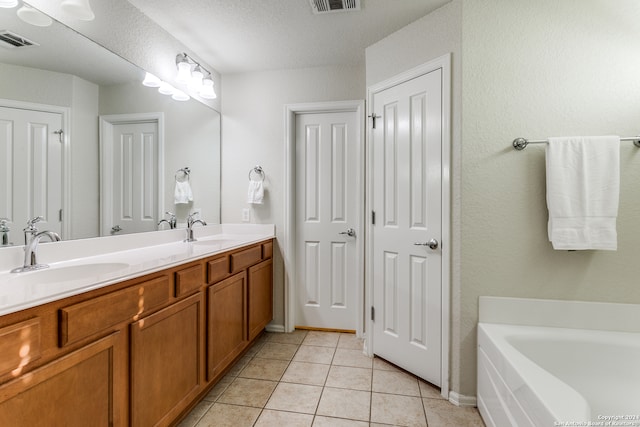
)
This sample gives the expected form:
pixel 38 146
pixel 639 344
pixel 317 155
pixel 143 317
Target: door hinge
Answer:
pixel 373 313
pixel 373 217
pixel 60 215
pixel 373 119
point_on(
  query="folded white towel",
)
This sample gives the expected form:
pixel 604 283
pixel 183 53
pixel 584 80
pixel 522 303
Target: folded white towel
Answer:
pixel 255 195
pixel 583 187
pixel 182 194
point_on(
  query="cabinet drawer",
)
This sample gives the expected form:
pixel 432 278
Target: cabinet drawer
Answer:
pixel 267 250
pixel 243 259
pixel 218 269
pixel 81 320
pixel 19 344
pixel 188 280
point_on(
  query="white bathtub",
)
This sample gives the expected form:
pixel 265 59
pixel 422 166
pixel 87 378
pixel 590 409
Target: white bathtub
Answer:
pixel 553 376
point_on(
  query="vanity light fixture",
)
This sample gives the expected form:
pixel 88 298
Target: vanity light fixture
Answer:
pixel 33 16
pixel 195 76
pixel 78 9
pixel 151 80
pixel 8 4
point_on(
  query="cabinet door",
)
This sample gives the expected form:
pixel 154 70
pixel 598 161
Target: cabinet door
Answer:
pixel 227 314
pixel 83 388
pixel 260 297
pixel 165 363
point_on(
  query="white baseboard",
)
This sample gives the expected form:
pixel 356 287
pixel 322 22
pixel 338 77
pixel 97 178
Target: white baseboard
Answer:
pixel 462 400
pixel 275 328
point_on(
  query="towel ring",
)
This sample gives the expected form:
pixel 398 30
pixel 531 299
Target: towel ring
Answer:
pixel 259 171
pixel 185 174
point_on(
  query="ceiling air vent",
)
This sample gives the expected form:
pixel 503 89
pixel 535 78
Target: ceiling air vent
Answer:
pixel 12 40
pixel 329 6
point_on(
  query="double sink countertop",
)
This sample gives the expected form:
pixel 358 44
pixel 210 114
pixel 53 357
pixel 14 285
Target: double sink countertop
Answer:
pixel 78 266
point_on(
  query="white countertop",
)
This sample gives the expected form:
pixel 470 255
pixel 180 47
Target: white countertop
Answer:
pixel 78 266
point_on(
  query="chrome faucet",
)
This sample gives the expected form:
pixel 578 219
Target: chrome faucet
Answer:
pixel 30 262
pixel 190 222
pixel 171 221
pixel 4 231
pixel 31 230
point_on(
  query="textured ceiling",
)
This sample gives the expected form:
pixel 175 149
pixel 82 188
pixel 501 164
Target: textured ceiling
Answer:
pixel 246 35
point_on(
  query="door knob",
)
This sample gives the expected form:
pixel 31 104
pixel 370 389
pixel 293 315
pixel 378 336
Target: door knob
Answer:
pixel 115 229
pixel 432 244
pixel 350 232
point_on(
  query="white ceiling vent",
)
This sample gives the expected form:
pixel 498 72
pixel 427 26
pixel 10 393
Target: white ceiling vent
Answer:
pixel 329 6
pixel 12 40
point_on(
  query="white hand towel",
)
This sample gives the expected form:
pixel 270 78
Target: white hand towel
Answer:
pixel 182 194
pixel 255 193
pixel 583 187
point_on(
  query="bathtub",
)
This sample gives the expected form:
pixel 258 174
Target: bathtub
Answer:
pixel 548 375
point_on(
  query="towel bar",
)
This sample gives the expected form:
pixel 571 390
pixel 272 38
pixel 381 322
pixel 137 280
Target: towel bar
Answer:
pixel 521 143
pixel 259 171
pixel 186 172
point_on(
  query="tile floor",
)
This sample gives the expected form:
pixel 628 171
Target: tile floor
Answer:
pixel 322 379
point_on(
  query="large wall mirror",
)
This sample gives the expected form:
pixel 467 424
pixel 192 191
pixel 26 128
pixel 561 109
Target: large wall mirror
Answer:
pixel 97 174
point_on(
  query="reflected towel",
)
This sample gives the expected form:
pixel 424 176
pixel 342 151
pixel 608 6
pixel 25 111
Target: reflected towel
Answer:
pixel 183 194
pixel 583 186
pixel 255 194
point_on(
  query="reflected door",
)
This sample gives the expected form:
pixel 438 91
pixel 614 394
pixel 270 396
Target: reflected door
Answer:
pixel 406 255
pixel 134 197
pixel 31 168
pixel 326 208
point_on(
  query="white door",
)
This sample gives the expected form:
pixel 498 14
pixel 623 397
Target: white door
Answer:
pixel 407 189
pixel 327 159
pixel 134 197
pixel 31 164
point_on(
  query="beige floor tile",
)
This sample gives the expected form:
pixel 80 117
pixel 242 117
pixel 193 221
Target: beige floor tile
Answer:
pixel 314 354
pixel 441 413
pixel 306 373
pixel 395 383
pixel 398 410
pixel 337 422
pixel 322 339
pixel 295 337
pixel 383 365
pixel 429 390
pixel 270 418
pixel 272 350
pixel 219 388
pixel 239 366
pixel 221 415
pixel 342 403
pixel 348 377
pixel 254 349
pixel 264 369
pixel 295 398
pixel 353 358
pixel 196 413
pixel 349 341
pixel 248 392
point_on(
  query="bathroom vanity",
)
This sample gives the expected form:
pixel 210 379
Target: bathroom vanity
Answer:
pixel 141 349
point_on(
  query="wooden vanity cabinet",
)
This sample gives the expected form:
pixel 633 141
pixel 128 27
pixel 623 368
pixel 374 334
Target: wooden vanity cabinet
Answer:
pixel 136 353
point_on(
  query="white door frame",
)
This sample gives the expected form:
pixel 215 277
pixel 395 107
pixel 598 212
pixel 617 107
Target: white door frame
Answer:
pixel 444 63
pixel 290 206
pixel 107 122
pixel 66 149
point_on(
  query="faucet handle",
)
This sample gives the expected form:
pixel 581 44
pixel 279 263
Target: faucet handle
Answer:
pixel 32 221
pixel 3 224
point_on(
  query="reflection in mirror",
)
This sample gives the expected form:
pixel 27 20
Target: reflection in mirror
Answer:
pixel 99 177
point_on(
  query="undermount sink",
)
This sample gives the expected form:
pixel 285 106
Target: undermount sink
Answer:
pixel 94 272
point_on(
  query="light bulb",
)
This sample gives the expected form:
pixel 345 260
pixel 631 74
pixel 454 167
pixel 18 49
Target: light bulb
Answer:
pixel 151 81
pixel 184 72
pixel 79 9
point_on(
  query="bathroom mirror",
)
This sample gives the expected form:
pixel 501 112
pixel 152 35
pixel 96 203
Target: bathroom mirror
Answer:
pixel 62 73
